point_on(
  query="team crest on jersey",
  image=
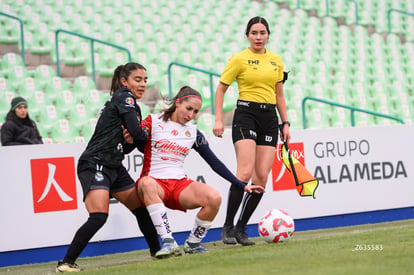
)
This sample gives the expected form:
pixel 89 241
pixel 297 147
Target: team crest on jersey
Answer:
pixel 187 133
pixel 146 129
pixel 174 132
pixel 129 102
pixel 99 176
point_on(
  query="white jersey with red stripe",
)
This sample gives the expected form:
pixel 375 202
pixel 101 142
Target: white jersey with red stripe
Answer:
pixel 168 145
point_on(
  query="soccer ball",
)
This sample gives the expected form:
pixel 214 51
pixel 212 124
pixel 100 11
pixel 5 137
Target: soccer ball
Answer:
pixel 276 226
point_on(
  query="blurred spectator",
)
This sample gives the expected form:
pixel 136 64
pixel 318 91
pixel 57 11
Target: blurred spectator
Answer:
pixel 19 129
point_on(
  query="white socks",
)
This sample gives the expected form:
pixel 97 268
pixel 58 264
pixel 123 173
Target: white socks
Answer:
pixel 199 231
pixel 158 213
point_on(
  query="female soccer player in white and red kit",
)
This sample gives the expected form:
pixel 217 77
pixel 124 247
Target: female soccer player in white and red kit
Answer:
pixel 164 184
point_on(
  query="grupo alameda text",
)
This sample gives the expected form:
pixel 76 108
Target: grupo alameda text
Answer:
pixel 358 170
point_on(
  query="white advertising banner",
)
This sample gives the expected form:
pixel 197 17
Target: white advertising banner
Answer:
pixel 359 170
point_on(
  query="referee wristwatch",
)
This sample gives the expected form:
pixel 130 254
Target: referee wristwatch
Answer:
pixel 285 122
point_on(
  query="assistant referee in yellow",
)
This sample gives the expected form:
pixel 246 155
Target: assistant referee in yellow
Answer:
pixel 260 77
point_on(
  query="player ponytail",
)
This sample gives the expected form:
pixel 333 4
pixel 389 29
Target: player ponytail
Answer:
pixel 123 71
pixel 183 95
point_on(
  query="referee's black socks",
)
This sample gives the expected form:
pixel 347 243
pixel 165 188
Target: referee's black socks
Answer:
pixel 234 199
pixel 147 228
pixel 250 203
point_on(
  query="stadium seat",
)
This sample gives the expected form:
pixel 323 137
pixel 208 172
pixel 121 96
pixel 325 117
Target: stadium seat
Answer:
pixel 64 132
pixel 319 117
pixel 27 86
pixel 5 99
pixel 361 58
pixel 15 75
pixel 295 118
pixel 205 96
pixel 83 84
pixel 4 85
pixel 9 32
pixel 205 122
pixel 76 54
pixel 43 75
pixel 57 84
pixel 64 102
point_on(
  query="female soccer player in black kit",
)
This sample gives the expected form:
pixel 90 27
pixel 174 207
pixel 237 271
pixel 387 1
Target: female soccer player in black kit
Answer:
pixel 100 168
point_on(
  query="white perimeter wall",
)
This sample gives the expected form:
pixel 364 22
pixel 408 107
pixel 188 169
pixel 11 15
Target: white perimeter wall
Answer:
pixel 361 169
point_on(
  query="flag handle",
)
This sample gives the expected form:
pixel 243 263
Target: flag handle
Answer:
pixel 292 167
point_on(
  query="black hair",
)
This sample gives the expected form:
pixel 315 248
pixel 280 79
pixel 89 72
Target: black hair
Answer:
pixel 123 71
pixel 182 95
pixel 256 20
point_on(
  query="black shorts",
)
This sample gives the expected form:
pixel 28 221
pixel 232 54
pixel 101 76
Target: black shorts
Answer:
pixel 95 176
pixel 255 121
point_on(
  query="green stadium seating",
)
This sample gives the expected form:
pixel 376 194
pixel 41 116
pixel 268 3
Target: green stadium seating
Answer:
pixel 43 75
pixel 205 122
pixel 327 60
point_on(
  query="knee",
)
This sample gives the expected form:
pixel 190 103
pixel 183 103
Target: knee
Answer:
pixel 145 184
pixel 215 199
pixel 260 180
pixel 244 174
pixel 98 218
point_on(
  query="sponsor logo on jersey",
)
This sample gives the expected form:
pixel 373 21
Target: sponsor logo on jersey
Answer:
pixel 170 147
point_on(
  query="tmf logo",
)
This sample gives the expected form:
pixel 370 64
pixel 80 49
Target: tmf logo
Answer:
pixel 53 184
pixel 280 176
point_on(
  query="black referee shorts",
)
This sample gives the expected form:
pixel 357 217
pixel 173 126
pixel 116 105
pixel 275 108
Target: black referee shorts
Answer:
pixel 96 176
pixel 255 121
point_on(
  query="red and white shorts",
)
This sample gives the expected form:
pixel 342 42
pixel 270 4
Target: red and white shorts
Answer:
pixel 172 190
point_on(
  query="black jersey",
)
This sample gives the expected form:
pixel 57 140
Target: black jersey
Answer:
pixel 106 146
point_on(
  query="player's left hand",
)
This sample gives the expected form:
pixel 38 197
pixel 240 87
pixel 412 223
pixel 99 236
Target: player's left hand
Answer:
pixel 254 189
pixel 127 136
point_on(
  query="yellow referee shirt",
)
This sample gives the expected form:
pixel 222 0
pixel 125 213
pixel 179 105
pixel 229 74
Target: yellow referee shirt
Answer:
pixel 256 75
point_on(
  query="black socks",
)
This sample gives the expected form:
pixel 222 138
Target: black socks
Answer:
pixel 234 199
pixel 250 203
pixel 84 235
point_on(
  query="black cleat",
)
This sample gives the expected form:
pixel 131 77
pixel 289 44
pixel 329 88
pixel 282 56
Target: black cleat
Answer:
pixel 227 235
pixel 241 237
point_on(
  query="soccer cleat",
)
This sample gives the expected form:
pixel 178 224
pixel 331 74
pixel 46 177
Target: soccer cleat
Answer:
pixel 227 235
pixel 169 248
pixel 65 267
pixel 193 248
pixel 241 237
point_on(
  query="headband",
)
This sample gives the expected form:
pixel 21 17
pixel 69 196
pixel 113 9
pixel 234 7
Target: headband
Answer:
pixel 189 96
